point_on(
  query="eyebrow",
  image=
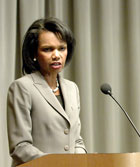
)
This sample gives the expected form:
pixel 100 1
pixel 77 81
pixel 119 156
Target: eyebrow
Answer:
pixel 49 45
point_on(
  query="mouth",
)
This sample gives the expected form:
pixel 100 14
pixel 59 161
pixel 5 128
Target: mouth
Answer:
pixel 56 65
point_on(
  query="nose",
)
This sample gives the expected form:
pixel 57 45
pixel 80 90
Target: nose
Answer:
pixel 56 55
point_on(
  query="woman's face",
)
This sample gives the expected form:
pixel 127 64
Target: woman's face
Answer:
pixel 51 54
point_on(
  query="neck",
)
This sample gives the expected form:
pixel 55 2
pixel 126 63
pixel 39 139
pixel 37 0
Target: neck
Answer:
pixel 51 80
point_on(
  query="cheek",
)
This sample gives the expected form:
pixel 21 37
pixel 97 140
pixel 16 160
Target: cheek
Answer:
pixel 42 60
pixel 65 57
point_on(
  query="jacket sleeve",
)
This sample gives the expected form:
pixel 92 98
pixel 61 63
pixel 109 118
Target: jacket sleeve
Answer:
pixel 79 143
pixel 19 124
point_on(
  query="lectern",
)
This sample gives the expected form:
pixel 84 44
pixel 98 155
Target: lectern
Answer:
pixel 86 160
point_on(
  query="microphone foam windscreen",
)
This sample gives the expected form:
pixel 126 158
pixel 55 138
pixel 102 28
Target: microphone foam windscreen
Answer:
pixel 106 88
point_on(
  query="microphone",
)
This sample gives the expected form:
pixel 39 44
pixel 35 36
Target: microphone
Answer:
pixel 106 89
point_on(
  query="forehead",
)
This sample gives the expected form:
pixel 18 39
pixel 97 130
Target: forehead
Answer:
pixel 50 38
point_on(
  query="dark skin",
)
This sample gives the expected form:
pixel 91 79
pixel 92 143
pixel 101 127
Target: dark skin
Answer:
pixel 51 56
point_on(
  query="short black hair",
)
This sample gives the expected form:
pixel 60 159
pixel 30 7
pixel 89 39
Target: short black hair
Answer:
pixel 30 43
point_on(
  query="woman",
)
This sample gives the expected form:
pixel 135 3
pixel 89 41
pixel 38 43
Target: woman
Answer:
pixel 43 108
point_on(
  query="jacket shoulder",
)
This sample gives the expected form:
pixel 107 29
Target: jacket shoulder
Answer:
pixel 68 82
pixel 71 85
pixel 24 81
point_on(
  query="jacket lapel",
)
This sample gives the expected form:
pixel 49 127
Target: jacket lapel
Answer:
pixel 43 87
pixel 66 96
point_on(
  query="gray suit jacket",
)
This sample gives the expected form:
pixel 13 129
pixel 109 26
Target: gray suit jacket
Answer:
pixel 37 123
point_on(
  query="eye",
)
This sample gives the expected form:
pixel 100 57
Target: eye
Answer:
pixel 62 48
pixel 49 49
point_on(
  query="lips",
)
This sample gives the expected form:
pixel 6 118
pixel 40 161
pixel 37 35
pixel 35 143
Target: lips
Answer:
pixel 56 65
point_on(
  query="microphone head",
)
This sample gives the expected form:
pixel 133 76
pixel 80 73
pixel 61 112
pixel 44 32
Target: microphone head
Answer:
pixel 106 89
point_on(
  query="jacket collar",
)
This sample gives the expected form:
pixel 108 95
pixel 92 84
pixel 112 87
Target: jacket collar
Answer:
pixel 43 87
